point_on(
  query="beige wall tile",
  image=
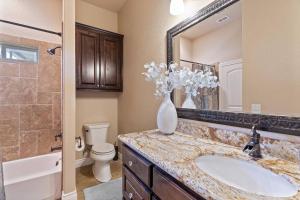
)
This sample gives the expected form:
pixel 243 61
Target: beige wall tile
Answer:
pixel 35 117
pixel 9 112
pixel 56 109
pixel 28 143
pixel 49 74
pixel 9 69
pixel 28 70
pixel 10 153
pixel 9 39
pixel 29 102
pixel 27 93
pixel 44 98
pixel 9 85
pixel 17 90
pixel 29 42
pixel 9 132
pixel 46 140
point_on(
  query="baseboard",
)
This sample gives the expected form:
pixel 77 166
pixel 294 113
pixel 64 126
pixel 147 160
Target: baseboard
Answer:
pixel 69 196
pixel 83 162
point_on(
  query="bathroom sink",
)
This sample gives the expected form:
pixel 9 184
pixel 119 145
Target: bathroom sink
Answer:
pixel 246 176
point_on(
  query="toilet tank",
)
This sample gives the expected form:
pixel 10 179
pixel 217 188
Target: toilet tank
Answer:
pixel 96 133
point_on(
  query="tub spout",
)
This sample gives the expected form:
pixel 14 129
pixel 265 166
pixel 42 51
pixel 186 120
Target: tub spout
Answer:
pixel 60 135
pixel 56 148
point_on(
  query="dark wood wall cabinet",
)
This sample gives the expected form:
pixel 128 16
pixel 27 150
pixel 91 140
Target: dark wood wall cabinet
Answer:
pixel 99 59
pixel 142 180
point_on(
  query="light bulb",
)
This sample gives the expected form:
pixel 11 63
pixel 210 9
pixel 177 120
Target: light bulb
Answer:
pixel 176 7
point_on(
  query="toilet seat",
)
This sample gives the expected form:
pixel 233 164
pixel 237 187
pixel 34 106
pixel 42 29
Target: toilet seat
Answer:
pixel 104 148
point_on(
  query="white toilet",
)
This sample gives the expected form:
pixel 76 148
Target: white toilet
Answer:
pixel 101 152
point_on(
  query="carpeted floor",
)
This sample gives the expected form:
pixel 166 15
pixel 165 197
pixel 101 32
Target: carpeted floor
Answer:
pixel 111 190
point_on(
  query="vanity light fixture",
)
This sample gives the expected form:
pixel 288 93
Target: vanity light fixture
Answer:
pixel 176 7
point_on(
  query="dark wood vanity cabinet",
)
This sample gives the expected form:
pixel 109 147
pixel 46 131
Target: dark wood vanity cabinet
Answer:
pixel 142 180
pixel 99 56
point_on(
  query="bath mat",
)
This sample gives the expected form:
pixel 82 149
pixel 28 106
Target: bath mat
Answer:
pixel 111 190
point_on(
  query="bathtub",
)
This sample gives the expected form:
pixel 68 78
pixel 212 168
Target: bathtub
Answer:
pixel 35 178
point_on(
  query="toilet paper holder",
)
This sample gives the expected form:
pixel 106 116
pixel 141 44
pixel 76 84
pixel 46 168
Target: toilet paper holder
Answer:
pixel 80 143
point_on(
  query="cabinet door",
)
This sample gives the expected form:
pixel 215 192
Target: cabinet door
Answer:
pixel 166 189
pixel 133 189
pixel 111 47
pixel 87 59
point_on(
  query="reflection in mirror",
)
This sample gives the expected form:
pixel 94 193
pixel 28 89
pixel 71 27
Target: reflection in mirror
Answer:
pixel 253 47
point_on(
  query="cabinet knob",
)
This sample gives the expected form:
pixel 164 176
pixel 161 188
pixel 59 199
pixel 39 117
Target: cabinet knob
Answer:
pixel 130 195
pixel 98 85
pixel 130 163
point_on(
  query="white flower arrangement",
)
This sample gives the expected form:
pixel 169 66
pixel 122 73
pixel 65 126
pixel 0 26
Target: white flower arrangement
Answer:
pixel 166 80
pixel 191 81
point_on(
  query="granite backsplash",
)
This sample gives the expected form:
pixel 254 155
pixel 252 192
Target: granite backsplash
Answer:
pixel 286 148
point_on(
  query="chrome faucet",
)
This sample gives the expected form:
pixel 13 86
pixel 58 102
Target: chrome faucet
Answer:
pixel 253 146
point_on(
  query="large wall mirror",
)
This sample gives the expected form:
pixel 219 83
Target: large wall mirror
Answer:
pixel 253 48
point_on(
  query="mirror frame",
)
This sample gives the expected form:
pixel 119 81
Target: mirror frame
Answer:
pixel 279 124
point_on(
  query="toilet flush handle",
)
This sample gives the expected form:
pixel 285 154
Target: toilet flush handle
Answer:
pixel 130 195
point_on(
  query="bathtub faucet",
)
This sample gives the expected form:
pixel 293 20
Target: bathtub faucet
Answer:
pixel 58 136
pixel 56 148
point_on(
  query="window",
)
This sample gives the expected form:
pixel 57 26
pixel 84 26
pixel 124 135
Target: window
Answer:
pixel 18 53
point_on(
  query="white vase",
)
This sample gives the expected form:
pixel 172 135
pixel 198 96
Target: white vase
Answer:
pixel 188 102
pixel 167 116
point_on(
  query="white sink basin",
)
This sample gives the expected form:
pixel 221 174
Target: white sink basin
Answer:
pixel 246 176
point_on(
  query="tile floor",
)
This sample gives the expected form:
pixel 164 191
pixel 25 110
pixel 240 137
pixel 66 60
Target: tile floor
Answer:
pixel 85 177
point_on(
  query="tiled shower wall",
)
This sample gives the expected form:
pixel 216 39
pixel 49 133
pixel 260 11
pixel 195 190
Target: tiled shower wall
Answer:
pixel 30 102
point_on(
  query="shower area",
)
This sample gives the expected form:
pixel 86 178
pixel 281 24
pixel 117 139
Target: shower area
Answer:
pixel 30 103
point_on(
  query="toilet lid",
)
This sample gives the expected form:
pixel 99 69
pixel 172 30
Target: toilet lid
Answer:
pixel 103 148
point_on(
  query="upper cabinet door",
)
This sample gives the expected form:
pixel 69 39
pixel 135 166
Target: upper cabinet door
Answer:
pixel 111 50
pixel 87 59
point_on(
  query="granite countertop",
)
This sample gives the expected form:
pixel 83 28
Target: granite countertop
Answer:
pixel 176 155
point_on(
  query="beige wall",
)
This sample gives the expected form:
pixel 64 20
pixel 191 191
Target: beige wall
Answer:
pixel 186 49
pixel 144 24
pixel 266 47
pixel 41 14
pixel 95 106
pixel 221 45
pixel 271 55
pixel 69 98
pixel 95 16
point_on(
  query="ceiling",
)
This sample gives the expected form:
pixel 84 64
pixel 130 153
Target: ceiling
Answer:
pixel 112 5
pixel 210 24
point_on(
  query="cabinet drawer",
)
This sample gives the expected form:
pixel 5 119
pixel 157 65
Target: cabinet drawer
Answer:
pixel 166 189
pixel 139 166
pixel 132 188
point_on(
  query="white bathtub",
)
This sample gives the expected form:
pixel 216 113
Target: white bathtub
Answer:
pixel 35 178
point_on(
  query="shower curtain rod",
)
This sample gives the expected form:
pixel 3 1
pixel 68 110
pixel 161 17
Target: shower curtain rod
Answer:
pixel 195 62
pixel 31 27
